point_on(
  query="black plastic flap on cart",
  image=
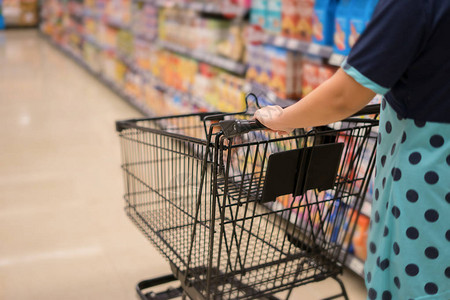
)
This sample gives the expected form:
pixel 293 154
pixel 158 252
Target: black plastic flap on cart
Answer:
pixel 297 171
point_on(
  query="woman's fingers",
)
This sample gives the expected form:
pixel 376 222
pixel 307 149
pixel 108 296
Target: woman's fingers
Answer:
pixel 270 116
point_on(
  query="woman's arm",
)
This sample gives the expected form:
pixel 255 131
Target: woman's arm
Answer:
pixel 334 100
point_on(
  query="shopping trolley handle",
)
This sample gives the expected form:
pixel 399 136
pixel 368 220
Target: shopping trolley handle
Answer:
pixel 232 128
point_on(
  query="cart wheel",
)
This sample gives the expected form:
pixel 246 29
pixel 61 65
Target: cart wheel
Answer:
pixel 168 294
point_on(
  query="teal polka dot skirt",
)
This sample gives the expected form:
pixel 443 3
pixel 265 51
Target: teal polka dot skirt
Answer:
pixel 409 240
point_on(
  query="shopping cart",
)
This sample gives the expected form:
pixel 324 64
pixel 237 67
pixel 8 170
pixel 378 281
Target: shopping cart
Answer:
pixel 243 213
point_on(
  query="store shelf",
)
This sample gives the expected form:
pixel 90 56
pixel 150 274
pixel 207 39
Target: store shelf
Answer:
pixel 77 18
pixel 325 52
pixel 209 8
pixel 135 69
pixel 87 13
pixel 355 264
pixel 212 59
pixel 266 96
pixel 93 41
pixel 117 24
pixel 156 83
pixel 336 59
pixel 116 89
pixel 366 208
pixel 144 38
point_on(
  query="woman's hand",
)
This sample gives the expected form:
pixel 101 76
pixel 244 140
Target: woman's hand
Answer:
pixel 334 100
pixel 271 117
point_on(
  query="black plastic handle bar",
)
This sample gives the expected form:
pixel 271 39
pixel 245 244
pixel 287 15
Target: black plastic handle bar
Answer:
pixel 232 128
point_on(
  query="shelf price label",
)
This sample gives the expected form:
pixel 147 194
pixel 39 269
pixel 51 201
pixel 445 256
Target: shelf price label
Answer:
pixel 279 41
pixel 314 49
pixel 293 44
pixel 366 208
pixel 356 265
pixel 336 59
pixel 247 87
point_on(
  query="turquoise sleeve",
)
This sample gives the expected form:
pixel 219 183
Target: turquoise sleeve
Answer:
pixel 363 80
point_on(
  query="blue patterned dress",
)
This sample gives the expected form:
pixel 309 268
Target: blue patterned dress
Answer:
pixel 404 55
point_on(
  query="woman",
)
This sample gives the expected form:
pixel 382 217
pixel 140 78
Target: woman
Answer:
pixel 404 54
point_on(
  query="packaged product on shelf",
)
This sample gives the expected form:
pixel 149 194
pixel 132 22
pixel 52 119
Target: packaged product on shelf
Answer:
pixel 176 103
pixel 349 222
pixel 118 12
pixel 253 61
pixel 217 31
pixel 92 31
pixel 314 74
pixel 258 13
pixel 342 27
pixel 189 31
pixel 298 69
pixel 108 65
pixel 359 240
pixel 325 73
pixel 273 16
pixel 28 13
pixel 231 97
pixel 143 53
pixel 2 20
pixel 125 43
pixel 265 63
pixel 363 169
pixel 362 11
pixel 283 72
pixel 91 56
pixel 120 72
pixel 110 36
pixel 11 12
pixel 233 46
pixel 305 24
pixel 133 85
pixel 290 18
pixel 310 78
pixel 335 220
pixel 323 21
pixel 145 20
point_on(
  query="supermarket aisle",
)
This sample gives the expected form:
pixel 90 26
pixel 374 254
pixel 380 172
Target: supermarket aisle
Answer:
pixel 63 232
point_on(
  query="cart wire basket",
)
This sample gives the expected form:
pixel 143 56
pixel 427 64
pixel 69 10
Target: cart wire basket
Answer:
pixel 241 212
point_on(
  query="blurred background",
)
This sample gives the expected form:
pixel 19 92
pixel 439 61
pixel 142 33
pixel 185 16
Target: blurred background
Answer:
pixel 70 68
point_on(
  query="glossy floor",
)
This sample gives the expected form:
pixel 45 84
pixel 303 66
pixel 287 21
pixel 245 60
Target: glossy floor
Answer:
pixel 63 232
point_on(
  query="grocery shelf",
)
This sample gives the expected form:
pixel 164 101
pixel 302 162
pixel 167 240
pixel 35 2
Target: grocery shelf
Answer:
pixel 117 24
pixel 336 59
pixel 366 208
pixel 325 52
pixel 76 17
pixel 144 38
pixel 209 8
pixel 144 74
pixel 87 13
pixel 91 40
pixel 355 264
pixel 116 89
pixel 264 93
pixel 212 59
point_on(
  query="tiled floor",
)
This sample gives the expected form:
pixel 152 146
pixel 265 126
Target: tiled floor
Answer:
pixel 63 232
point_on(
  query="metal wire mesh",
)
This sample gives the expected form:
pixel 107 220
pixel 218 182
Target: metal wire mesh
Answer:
pixel 196 197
